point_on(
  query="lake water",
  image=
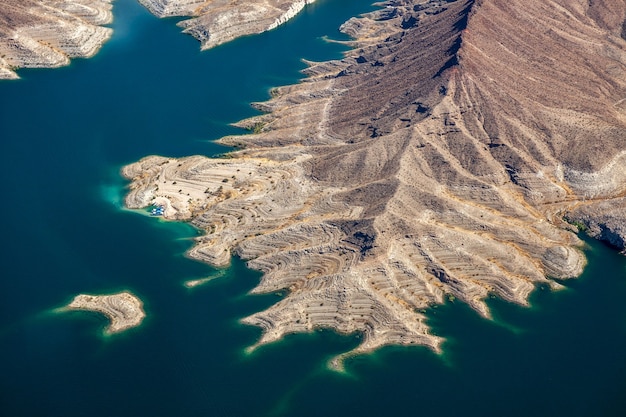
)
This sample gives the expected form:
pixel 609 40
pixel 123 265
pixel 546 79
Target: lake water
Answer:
pixel 65 133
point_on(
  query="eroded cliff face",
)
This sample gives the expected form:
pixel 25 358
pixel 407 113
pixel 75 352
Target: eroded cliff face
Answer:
pixel 435 161
pixel 219 21
pixel 47 33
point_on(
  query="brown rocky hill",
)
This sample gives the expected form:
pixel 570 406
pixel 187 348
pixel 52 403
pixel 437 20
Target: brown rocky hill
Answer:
pixel 435 161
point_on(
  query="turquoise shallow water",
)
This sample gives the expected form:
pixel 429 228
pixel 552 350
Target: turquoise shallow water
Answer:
pixel 65 133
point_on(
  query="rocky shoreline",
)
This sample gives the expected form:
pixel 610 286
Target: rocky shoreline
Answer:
pixel 431 163
pixel 436 161
pixel 604 220
pixel 48 33
pixel 124 309
pixel 216 22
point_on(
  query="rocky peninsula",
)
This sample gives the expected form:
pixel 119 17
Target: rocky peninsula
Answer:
pixel 436 161
pixel 219 21
pixel 47 33
pixel 124 309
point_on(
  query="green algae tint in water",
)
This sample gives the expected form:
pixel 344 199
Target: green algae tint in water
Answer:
pixel 64 134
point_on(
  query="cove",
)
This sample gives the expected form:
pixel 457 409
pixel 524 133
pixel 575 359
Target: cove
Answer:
pixel 64 135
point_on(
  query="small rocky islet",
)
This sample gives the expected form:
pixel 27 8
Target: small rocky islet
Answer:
pixel 124 310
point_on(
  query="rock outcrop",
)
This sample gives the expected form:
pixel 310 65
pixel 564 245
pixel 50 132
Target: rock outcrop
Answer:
pixel 47 33
pixel 124 310
pixel 219 21
pixel 435 161
pixel 604 220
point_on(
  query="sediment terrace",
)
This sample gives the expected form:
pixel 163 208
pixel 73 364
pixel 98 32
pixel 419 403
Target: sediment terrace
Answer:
pixel 435 161
pixel 124 309
pixel 47 33
pixel 219 21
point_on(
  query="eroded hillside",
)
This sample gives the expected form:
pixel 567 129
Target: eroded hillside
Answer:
pixel 218 21
pixel 47 33
pixel 435 161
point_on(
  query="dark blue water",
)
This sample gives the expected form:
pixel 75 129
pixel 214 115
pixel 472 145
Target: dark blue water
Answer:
pixel 65 133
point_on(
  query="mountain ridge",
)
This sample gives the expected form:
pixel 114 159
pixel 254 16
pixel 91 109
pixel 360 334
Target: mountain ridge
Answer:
pixel 435 161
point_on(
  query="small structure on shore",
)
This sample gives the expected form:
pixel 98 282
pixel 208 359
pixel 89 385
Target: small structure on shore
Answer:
pixel 157 210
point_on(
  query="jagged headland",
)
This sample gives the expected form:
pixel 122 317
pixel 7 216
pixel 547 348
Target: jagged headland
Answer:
pixel 47 33
pixel 124 309
pixel 219 21
pixel 435 161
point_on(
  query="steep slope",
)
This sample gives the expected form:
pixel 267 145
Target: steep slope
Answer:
pixel 47 33
pixel 435 161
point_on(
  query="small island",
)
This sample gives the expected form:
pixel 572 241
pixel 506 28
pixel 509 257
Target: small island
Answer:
pixel 124 309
